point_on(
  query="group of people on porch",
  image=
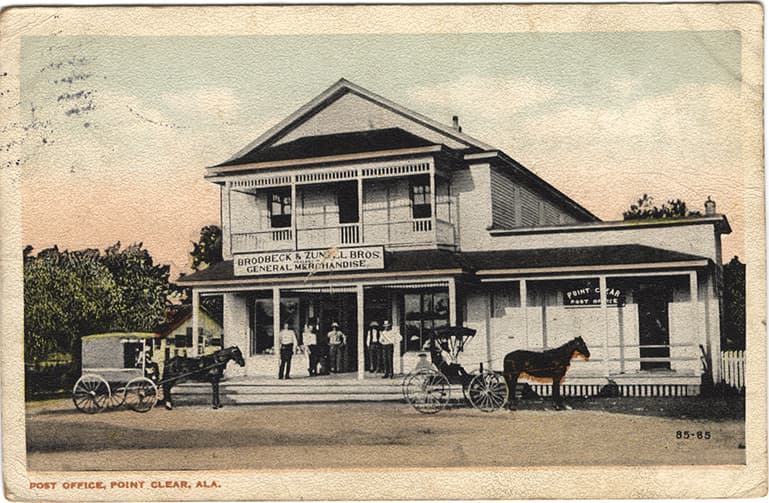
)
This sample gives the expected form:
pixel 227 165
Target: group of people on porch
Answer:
pixel 380 343
pixel 328 353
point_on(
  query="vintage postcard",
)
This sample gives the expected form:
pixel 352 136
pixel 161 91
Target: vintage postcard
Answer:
pixel 368 252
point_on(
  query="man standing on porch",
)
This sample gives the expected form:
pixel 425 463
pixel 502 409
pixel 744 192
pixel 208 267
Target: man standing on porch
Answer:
pixel 390 337
pixel 373 342
pixel 310 341
pixel 287 338
pixel 336 342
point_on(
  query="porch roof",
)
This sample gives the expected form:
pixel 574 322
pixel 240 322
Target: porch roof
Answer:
pixel 431 262
pixel 483 263
pixel 578 258
pixel 333 144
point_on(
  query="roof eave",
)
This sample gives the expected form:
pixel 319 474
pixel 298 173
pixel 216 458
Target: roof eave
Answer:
pixel 214 172
pixel 718 220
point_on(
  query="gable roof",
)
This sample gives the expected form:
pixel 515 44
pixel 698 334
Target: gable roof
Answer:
pixel 333 93
pixel 178 314
pixel 333 144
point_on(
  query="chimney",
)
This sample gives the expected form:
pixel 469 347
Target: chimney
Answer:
pixel 710 207
pixel 455 124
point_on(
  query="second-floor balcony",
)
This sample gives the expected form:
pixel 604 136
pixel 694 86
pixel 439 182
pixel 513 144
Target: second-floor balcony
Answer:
pixel 402 212
pixel 408 233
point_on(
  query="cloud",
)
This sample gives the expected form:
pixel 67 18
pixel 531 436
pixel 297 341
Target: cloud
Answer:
pixel 207 104
pixel 484 96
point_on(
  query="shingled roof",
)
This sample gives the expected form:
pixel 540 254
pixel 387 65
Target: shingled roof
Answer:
pixel 375 140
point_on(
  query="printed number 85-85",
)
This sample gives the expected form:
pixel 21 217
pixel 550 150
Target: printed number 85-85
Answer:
pixel 701 435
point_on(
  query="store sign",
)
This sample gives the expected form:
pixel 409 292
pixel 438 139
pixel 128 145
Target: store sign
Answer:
pixel 590 296
pixel 309 261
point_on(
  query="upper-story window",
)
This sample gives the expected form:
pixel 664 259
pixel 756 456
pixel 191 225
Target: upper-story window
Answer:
pixel 279 203
pixel 420 197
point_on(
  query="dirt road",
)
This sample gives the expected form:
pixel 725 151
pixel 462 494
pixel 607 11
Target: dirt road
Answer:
pixel 366 435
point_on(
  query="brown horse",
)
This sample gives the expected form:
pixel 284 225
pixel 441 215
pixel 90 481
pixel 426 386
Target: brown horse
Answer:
pixel 552 363
pixel 208 368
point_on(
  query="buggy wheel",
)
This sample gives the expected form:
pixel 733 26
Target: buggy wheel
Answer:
pixel 117 397
pixel 407 379
pixel 141 394
pixel 91 394
pixel 427 391
pixel 487 391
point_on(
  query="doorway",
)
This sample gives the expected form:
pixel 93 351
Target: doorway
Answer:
pixel 324 309
pixel 654 325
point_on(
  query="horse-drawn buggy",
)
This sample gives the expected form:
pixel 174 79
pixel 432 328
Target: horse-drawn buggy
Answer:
pixel 428 387
pixel 118 368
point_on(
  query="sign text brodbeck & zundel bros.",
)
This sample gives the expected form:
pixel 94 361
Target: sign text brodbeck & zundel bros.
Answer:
pixel 309 261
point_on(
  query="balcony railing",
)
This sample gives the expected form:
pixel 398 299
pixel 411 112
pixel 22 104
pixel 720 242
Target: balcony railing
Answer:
pixel 269 240
pixel 400 234
pixel 326 236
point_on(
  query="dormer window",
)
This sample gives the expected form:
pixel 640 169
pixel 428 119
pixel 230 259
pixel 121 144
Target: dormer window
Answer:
pixel 420 197
pixel 279 205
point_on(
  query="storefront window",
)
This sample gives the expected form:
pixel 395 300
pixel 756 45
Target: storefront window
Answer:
pixel 423 313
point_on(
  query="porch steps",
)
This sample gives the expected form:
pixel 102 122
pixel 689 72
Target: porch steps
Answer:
pixel 300 390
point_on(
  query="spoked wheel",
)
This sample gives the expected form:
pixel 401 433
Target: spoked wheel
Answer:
pixel 91 394
pixel 487 391
pixel 117 397
pixel 427 391
pixel 141 394
pixel 407 379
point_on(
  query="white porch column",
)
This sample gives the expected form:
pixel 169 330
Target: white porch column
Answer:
pixel 360 210
pixel 236 331
pixel 295 238
pixel 452 302
pixel 361 332
pixel 524 309
pixel 226 221
pixel 605 312
pixel 195 321
pixel 697 319
pixel 432 203
pixel 276 323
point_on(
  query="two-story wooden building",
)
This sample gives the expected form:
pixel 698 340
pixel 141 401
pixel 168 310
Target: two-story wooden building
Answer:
pixel 355 209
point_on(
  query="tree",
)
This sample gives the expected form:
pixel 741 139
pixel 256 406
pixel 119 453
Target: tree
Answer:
pixel 71 294
pixel 733 329
pixel 66 295
pixel 143 288
pixel 645 209
pixel 208 249
pixel 206 252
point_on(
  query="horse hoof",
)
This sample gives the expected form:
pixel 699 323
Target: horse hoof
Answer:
pixel 169 406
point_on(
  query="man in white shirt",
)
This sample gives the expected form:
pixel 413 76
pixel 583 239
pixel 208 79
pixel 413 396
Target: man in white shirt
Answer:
pixel 389 338
pixel 287 341
pixel 336 342
pixel 310 341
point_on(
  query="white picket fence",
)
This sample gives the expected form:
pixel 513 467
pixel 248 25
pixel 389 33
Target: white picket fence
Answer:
pixel 733 368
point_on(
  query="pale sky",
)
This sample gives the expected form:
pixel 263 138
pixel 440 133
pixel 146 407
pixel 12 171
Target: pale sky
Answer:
pixel 119 130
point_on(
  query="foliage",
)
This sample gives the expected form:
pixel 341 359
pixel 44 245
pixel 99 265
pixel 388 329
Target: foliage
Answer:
pixel 645 209
pixel 66 295
pixel 208 249
pixel 734 306
pixel 70 294
pixel 206 252
pixel 143 288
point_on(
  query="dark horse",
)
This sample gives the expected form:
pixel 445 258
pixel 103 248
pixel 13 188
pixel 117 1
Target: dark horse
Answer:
pixel 209 368
pixel 552 363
